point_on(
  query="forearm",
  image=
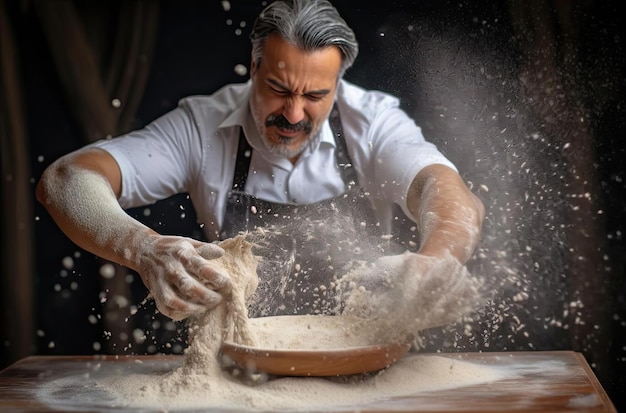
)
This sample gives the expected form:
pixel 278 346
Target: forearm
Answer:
pixel 449 215
pixel 84 206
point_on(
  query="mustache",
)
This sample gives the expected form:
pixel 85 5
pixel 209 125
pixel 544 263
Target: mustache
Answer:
pixel 282 123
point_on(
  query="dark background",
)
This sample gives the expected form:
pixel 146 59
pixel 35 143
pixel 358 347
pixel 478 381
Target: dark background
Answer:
pixel 526 97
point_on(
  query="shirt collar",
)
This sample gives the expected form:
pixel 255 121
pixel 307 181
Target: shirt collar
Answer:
pixel 239 116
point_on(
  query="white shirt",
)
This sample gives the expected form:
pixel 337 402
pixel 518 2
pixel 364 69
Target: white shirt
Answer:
pixel 193 149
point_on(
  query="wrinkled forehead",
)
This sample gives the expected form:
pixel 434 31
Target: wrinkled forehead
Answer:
pixel 284 61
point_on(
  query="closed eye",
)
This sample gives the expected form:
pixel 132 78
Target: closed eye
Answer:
pixel 280 92
pixel 314 97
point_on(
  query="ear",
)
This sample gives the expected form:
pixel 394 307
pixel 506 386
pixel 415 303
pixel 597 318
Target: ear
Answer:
pixel 253 67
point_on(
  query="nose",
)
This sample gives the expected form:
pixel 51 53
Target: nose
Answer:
pixel 293 109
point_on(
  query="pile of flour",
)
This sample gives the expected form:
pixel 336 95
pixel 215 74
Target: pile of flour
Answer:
pixel 397 309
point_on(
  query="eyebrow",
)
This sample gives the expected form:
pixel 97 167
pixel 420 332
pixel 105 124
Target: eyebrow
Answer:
pixel 310 92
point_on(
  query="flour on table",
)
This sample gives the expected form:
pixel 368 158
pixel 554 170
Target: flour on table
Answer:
pixel 218 391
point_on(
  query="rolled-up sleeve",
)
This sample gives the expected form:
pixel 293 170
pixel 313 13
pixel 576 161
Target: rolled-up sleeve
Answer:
pixel 155 161
pixel 399 153
pixel 388 147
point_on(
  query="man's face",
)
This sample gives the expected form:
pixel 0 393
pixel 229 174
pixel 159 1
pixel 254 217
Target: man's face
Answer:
pixel 293 93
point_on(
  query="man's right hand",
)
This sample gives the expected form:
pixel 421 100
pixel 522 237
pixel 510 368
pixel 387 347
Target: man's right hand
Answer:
pixel 179 274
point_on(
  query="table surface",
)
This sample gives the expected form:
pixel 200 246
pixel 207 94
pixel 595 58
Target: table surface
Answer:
pixel 535 388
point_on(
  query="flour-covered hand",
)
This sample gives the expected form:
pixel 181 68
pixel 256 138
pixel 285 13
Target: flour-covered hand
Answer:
pixel 179 275
pixel 410 291
pixel 390 280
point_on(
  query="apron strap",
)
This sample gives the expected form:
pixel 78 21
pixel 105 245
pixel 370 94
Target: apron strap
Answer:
pixel 344 163
pixel 242 165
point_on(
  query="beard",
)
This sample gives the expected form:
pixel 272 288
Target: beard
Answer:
pixel 281 146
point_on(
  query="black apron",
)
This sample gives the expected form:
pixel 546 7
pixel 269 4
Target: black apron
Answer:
pixel 304 249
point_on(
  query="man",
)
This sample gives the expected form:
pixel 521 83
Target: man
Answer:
pixel 287 150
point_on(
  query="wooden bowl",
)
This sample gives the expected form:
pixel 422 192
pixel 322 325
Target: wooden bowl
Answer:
pixel 311 345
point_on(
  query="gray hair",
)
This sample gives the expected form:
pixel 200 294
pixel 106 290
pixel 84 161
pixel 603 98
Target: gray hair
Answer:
pixel 306 24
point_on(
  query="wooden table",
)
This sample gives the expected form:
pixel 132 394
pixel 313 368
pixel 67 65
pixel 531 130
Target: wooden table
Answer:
pixel 532 390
